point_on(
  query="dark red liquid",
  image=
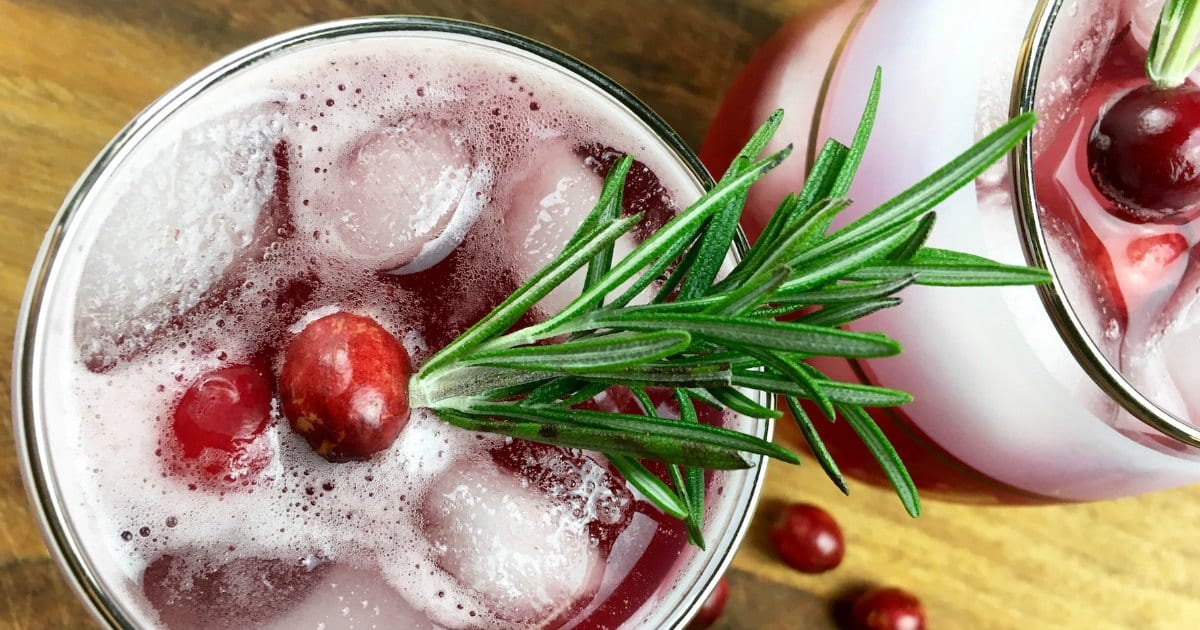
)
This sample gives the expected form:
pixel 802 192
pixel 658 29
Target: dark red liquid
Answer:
pixel 1131 267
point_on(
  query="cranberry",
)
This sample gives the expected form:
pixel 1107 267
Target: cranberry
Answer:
pixel 808 539
pixel 220 416
pixel 887 609
pixel 712 607
pixel 1144 154
pixel 344 386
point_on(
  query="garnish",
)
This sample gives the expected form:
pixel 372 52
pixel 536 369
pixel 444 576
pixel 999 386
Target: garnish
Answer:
pixel 1141 152
pixel 709 338
pixel 1173 52
pixel 342 386
pixel 217 426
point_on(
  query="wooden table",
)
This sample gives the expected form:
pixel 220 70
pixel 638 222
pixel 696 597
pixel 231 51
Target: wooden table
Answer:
pixel 73 71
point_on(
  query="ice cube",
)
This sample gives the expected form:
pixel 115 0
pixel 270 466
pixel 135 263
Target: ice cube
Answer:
pixel 1083 32
pixel 1161 363
pixel 1143 16
pixel 1086 290
pixel 399 200
pixel 1081 36
pixel 348 597
pixel 626 551
pixel 182 212
pixel 1086 295
pixel 547 202
pixel 1180 345
pixel 520 550
pixel 190 589
pixel 550 199
pixel 1158 368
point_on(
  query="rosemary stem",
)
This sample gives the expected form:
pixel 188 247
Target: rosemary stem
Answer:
pixel 1174 55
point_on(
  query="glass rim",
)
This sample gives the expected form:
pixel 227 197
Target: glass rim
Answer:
pixel 39 479
pixel 1033 240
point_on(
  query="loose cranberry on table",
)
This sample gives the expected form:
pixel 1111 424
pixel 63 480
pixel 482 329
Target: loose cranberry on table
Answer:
pixel 808 539
pixel 344 386
pixel 887 608
pixel 712 608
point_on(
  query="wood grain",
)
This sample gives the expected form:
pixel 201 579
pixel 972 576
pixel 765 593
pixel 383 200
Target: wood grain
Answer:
pixel 73 71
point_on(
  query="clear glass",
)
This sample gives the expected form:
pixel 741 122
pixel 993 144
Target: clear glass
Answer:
pixel 1015 399
pixel 67 520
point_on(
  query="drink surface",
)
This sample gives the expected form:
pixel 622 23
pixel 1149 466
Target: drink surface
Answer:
pixel 413 179
pixel 1002 410
pixel 1134 281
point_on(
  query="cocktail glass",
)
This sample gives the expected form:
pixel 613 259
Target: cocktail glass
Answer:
pixel 1020 396
pixel 56 466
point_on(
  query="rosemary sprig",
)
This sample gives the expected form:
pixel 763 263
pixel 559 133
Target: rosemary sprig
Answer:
pixel 713 339
pixel 1173 52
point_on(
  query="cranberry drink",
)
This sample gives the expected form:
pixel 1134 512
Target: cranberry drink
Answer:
pixel 1119 197
pixel 1002 410
pixel 402 181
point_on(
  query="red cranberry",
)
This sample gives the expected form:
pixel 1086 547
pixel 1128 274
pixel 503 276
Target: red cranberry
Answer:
pixel 344 386
pixel 808 539
pixel 1144 154
pixel 220 416
pixel 887 609
pixel 712 607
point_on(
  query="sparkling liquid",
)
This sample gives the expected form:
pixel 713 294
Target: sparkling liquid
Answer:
pixel 414 180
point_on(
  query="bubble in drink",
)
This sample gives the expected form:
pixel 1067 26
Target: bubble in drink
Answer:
pixel 589 490
pixel 196 590
pixel 183 213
